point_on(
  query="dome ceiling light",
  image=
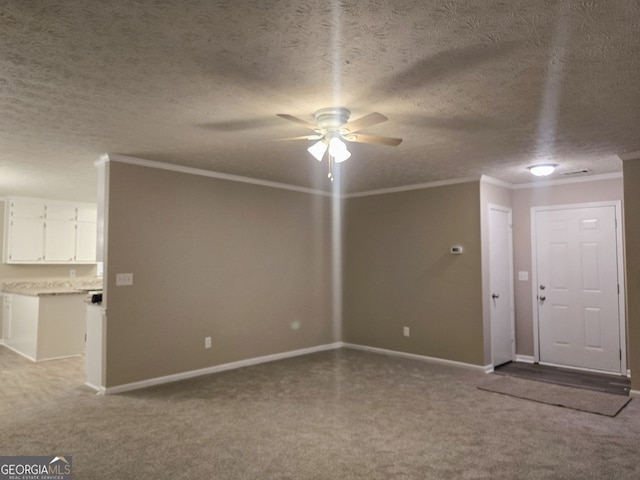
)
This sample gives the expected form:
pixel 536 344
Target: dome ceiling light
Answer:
pixel 543 169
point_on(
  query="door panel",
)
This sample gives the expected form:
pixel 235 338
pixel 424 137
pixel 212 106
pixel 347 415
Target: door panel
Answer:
pixel 578 314
pixel 501 275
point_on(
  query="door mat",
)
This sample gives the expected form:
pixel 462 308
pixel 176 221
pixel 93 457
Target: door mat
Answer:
pixel 575 398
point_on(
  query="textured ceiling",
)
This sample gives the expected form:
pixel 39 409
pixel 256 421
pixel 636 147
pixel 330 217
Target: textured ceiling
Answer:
pixel 473 87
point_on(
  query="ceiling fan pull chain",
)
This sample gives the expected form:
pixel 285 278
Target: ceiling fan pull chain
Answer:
pixel 330 168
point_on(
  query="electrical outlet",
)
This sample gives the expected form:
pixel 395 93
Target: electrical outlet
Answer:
pixel 124 279
pixel 207 342
pixel 523 276
pixel 405 331
pixel 72 272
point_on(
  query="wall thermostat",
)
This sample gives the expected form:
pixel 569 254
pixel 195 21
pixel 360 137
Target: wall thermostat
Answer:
pixel 456 250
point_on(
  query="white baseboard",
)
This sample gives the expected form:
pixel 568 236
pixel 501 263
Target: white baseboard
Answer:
pixel 22 354
pixel 99 390
pixel 634 393
pixel 524 358
pixel 488 368
pixel 19 352
pixel 215 369
pixel 75 355
pixel 395 353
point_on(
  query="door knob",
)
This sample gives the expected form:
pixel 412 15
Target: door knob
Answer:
pixel 495 295
pixel 542 298
pixel 542 287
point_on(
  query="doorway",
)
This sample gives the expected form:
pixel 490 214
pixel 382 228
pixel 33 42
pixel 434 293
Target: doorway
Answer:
pixel 578 286
pixel 501 285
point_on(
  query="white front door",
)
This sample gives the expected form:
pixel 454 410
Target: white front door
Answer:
pixel 577 289
pixel 501 284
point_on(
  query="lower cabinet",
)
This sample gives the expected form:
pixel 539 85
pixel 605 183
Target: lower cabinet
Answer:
pixel 45 327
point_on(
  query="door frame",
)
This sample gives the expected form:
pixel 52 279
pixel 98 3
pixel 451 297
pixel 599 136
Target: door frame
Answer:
pixel 622 316
pixel 512 315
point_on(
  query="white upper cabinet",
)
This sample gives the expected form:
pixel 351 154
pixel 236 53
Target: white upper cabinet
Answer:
pixel 49 231
pixel 59 241
pixel 86 242
pixel 87 213
pixel 61 211
pixel 28 208
pixel 24 240
pixel 86 233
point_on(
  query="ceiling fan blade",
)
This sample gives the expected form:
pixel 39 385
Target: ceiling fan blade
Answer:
pixel 302 137
pixel 299 121
pixel 238 125
pixel 364 122
pixel 357 137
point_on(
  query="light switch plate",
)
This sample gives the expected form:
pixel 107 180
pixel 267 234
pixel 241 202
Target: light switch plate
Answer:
pixel 523 276
pixel 124 279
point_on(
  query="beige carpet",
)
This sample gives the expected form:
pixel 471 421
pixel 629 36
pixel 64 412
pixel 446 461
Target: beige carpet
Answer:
pixel 25 384
pixel 341 414
pixel 575 398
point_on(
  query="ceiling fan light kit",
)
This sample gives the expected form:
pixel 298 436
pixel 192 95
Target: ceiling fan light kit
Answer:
pixel 543 169
pixel 338 150
pixel 318 150
pixel 332 129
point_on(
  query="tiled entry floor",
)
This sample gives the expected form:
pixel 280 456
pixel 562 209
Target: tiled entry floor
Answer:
pixel 600 382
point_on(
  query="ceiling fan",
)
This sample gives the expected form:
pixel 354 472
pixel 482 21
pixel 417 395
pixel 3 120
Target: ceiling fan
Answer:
pixel 332 127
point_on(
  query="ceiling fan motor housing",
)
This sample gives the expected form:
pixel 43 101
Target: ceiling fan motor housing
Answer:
pixel 331 118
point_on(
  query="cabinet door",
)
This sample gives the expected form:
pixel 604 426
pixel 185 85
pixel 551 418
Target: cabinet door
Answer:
pixel 27 209
pixel 25 240
pixel 59 241
pixel 24 325
pixel 86 242
pixel 87 213
pixel 6 319
pixel 61 212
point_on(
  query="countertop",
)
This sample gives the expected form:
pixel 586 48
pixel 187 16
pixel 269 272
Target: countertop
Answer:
pixel 67 286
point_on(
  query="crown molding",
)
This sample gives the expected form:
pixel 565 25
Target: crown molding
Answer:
pixel 564 181
pixel 101 160
pixel 629 156
pixel 111 157
pixel 417 186
pixel 495 181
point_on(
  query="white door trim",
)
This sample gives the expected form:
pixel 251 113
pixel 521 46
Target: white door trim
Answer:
pixel 512 315
pixel 620 264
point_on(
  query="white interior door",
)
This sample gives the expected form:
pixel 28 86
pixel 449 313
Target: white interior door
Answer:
pixel 501 284
pixel 577 287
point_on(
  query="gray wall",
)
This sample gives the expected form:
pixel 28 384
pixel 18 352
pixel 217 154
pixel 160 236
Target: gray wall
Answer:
pixel 398 272
pixel 247 265
pixel 523 200
pixel 631 170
